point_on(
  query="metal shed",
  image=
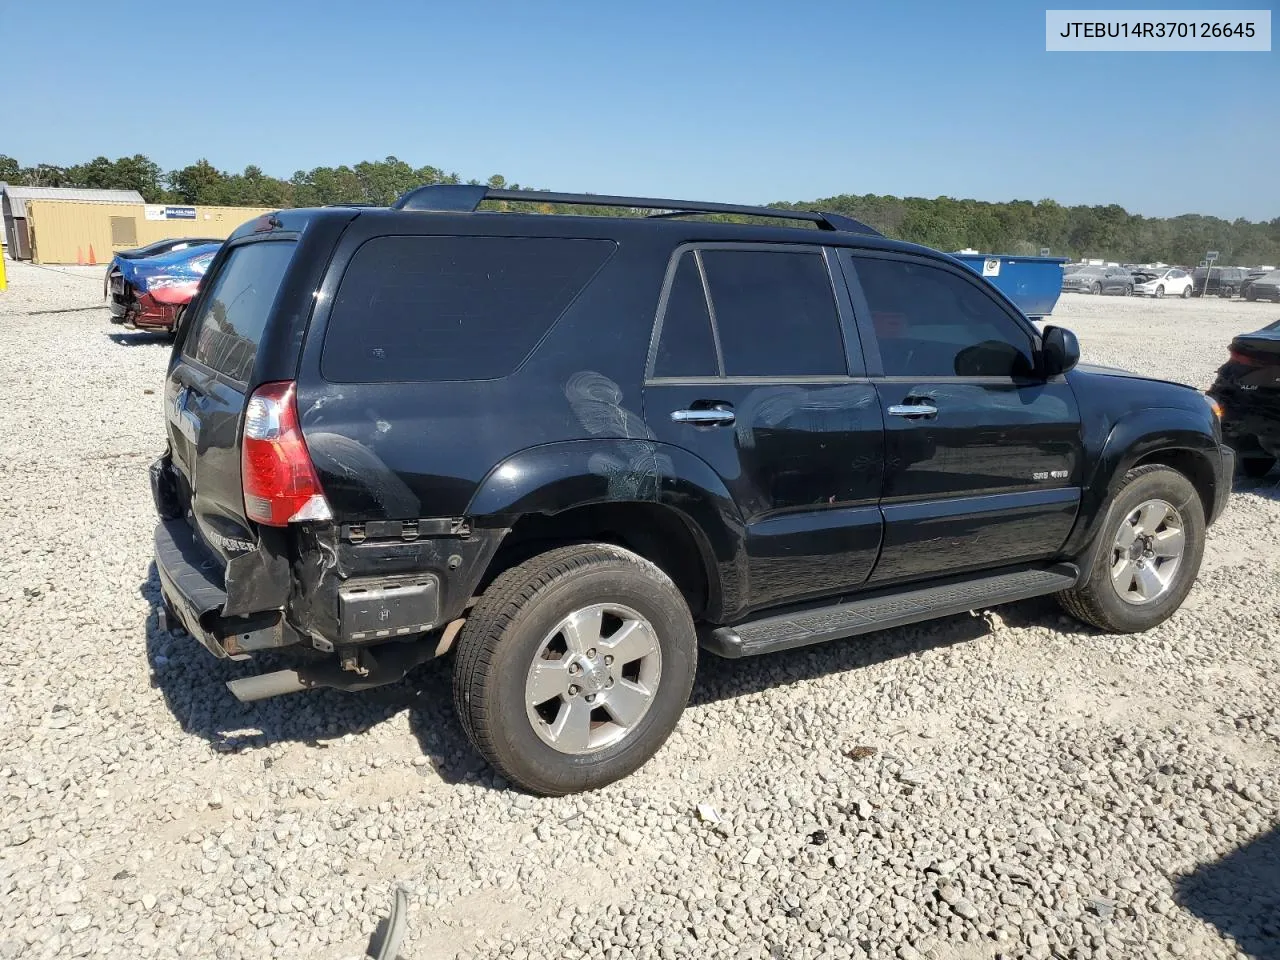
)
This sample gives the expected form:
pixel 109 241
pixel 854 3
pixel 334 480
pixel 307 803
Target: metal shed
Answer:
pixel 18 227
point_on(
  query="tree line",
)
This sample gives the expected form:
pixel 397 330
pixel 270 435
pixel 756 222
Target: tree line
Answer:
pixel 1014 227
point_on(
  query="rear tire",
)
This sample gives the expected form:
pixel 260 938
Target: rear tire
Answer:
pixel 1126 592
pixel 533 619
pixel 1186 292
pixel 1255 468
pixel 1226 293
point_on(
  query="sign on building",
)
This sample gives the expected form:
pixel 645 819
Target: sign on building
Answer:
pixel 155 211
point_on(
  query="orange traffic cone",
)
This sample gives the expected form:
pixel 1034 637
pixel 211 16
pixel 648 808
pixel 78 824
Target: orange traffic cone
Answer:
pixel 79 257
pixel 93 261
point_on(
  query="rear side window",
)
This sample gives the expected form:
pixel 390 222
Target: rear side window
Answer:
pixel 451 308
pixel 686 345
pixel 226 334
pixel 775 312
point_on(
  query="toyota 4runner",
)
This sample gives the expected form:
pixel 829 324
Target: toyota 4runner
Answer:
pixel 575 449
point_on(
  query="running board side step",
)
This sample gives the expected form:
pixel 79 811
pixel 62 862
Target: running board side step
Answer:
pixel 885 610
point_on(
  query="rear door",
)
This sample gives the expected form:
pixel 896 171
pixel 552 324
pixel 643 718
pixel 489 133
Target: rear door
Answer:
pixel 983 458
pixel 207 388
pixel 755 369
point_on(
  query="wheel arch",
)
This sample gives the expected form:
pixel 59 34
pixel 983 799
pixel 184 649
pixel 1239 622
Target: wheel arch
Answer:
pixel 654 499
pixel 1180 438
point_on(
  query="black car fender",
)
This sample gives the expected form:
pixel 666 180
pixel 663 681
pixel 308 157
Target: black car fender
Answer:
pixel 556 477
pixel 1149 435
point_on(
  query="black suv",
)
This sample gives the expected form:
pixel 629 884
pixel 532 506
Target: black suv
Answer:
pixel 1222 281
pixel 572 449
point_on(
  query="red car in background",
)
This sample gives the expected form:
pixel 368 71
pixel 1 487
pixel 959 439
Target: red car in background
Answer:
pixel 152 293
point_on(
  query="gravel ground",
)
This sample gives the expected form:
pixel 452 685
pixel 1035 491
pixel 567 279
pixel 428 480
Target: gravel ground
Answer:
pixel 1004 786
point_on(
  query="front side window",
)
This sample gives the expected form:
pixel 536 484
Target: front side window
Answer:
pixel 775 312
pixel 930 322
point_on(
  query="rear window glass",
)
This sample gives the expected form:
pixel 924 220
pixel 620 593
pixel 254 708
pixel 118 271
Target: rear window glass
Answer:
pixel 226 334
pixel 451 308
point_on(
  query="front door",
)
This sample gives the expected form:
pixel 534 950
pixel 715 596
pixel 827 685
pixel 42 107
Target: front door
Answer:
pixel 983 457
pixel 751 372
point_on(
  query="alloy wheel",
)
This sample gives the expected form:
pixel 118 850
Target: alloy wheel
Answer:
pixel 593 678
pixel 1147 552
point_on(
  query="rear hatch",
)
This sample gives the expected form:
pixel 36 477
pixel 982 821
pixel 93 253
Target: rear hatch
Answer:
pixel 208 387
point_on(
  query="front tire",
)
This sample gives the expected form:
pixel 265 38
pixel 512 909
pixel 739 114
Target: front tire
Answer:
pixel 574 667
pixel 1128 290
pixel 1152 543
pixel 1096 289
pixel 1160 292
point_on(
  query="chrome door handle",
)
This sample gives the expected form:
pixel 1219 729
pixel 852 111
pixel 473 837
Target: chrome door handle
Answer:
pixel 913 410
pixel 703 418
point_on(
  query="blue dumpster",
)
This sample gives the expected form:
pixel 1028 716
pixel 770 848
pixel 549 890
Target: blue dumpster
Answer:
pixel 1033 283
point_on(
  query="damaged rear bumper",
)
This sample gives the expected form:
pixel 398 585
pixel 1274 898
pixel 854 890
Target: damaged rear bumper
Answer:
pixel 191 581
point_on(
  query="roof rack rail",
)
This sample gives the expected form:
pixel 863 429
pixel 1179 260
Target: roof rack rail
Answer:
pixel 465 198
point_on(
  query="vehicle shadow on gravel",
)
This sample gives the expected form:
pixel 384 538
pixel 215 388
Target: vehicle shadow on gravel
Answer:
pixel 1240 895
pixel 1268 486
pixel 193 683
pixel 138 338
pixel 721 679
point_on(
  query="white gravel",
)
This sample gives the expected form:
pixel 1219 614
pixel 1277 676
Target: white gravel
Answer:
pixel 1028 788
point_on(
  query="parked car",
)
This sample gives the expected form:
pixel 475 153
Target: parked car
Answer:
pixel 1167 282
pixel 153 293
pixel 1250 276
pixel 1222 281
pixel 156 249
pixel 394 433
pixel 1248 389
pixel 1099 280
pixel 1265 287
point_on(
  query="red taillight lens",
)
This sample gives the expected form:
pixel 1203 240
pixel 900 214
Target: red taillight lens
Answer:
pixel 1244 359
pixel 280 482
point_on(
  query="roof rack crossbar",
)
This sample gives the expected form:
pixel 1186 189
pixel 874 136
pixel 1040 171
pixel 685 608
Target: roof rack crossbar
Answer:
pixel 465 198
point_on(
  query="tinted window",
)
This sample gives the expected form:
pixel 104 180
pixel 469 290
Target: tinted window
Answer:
pixel 226 334
pixel 686 347
pixel 775 312
pixel 930 322
pixel 451 308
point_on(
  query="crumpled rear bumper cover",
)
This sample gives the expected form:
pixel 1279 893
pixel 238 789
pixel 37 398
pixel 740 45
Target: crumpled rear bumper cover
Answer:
pixel 191 581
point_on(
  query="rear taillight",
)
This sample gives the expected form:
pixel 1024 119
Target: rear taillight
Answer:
pixel 1244 359
pixel 280 482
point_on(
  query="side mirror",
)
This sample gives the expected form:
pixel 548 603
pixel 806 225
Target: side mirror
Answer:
pixel 1059 351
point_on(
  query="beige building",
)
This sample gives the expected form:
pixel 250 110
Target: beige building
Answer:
pixel 57 225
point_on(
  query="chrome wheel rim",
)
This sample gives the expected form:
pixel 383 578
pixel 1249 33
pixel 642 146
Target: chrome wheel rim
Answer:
pixel 1147 552
pixel 593 678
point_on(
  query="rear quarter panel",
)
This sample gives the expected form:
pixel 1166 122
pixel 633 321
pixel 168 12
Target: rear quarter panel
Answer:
pixel 421 449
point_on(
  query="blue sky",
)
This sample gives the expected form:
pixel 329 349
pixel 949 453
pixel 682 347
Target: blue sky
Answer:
pixel 738 101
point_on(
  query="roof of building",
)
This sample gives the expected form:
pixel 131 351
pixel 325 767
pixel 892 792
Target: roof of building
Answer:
pixel 18 196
